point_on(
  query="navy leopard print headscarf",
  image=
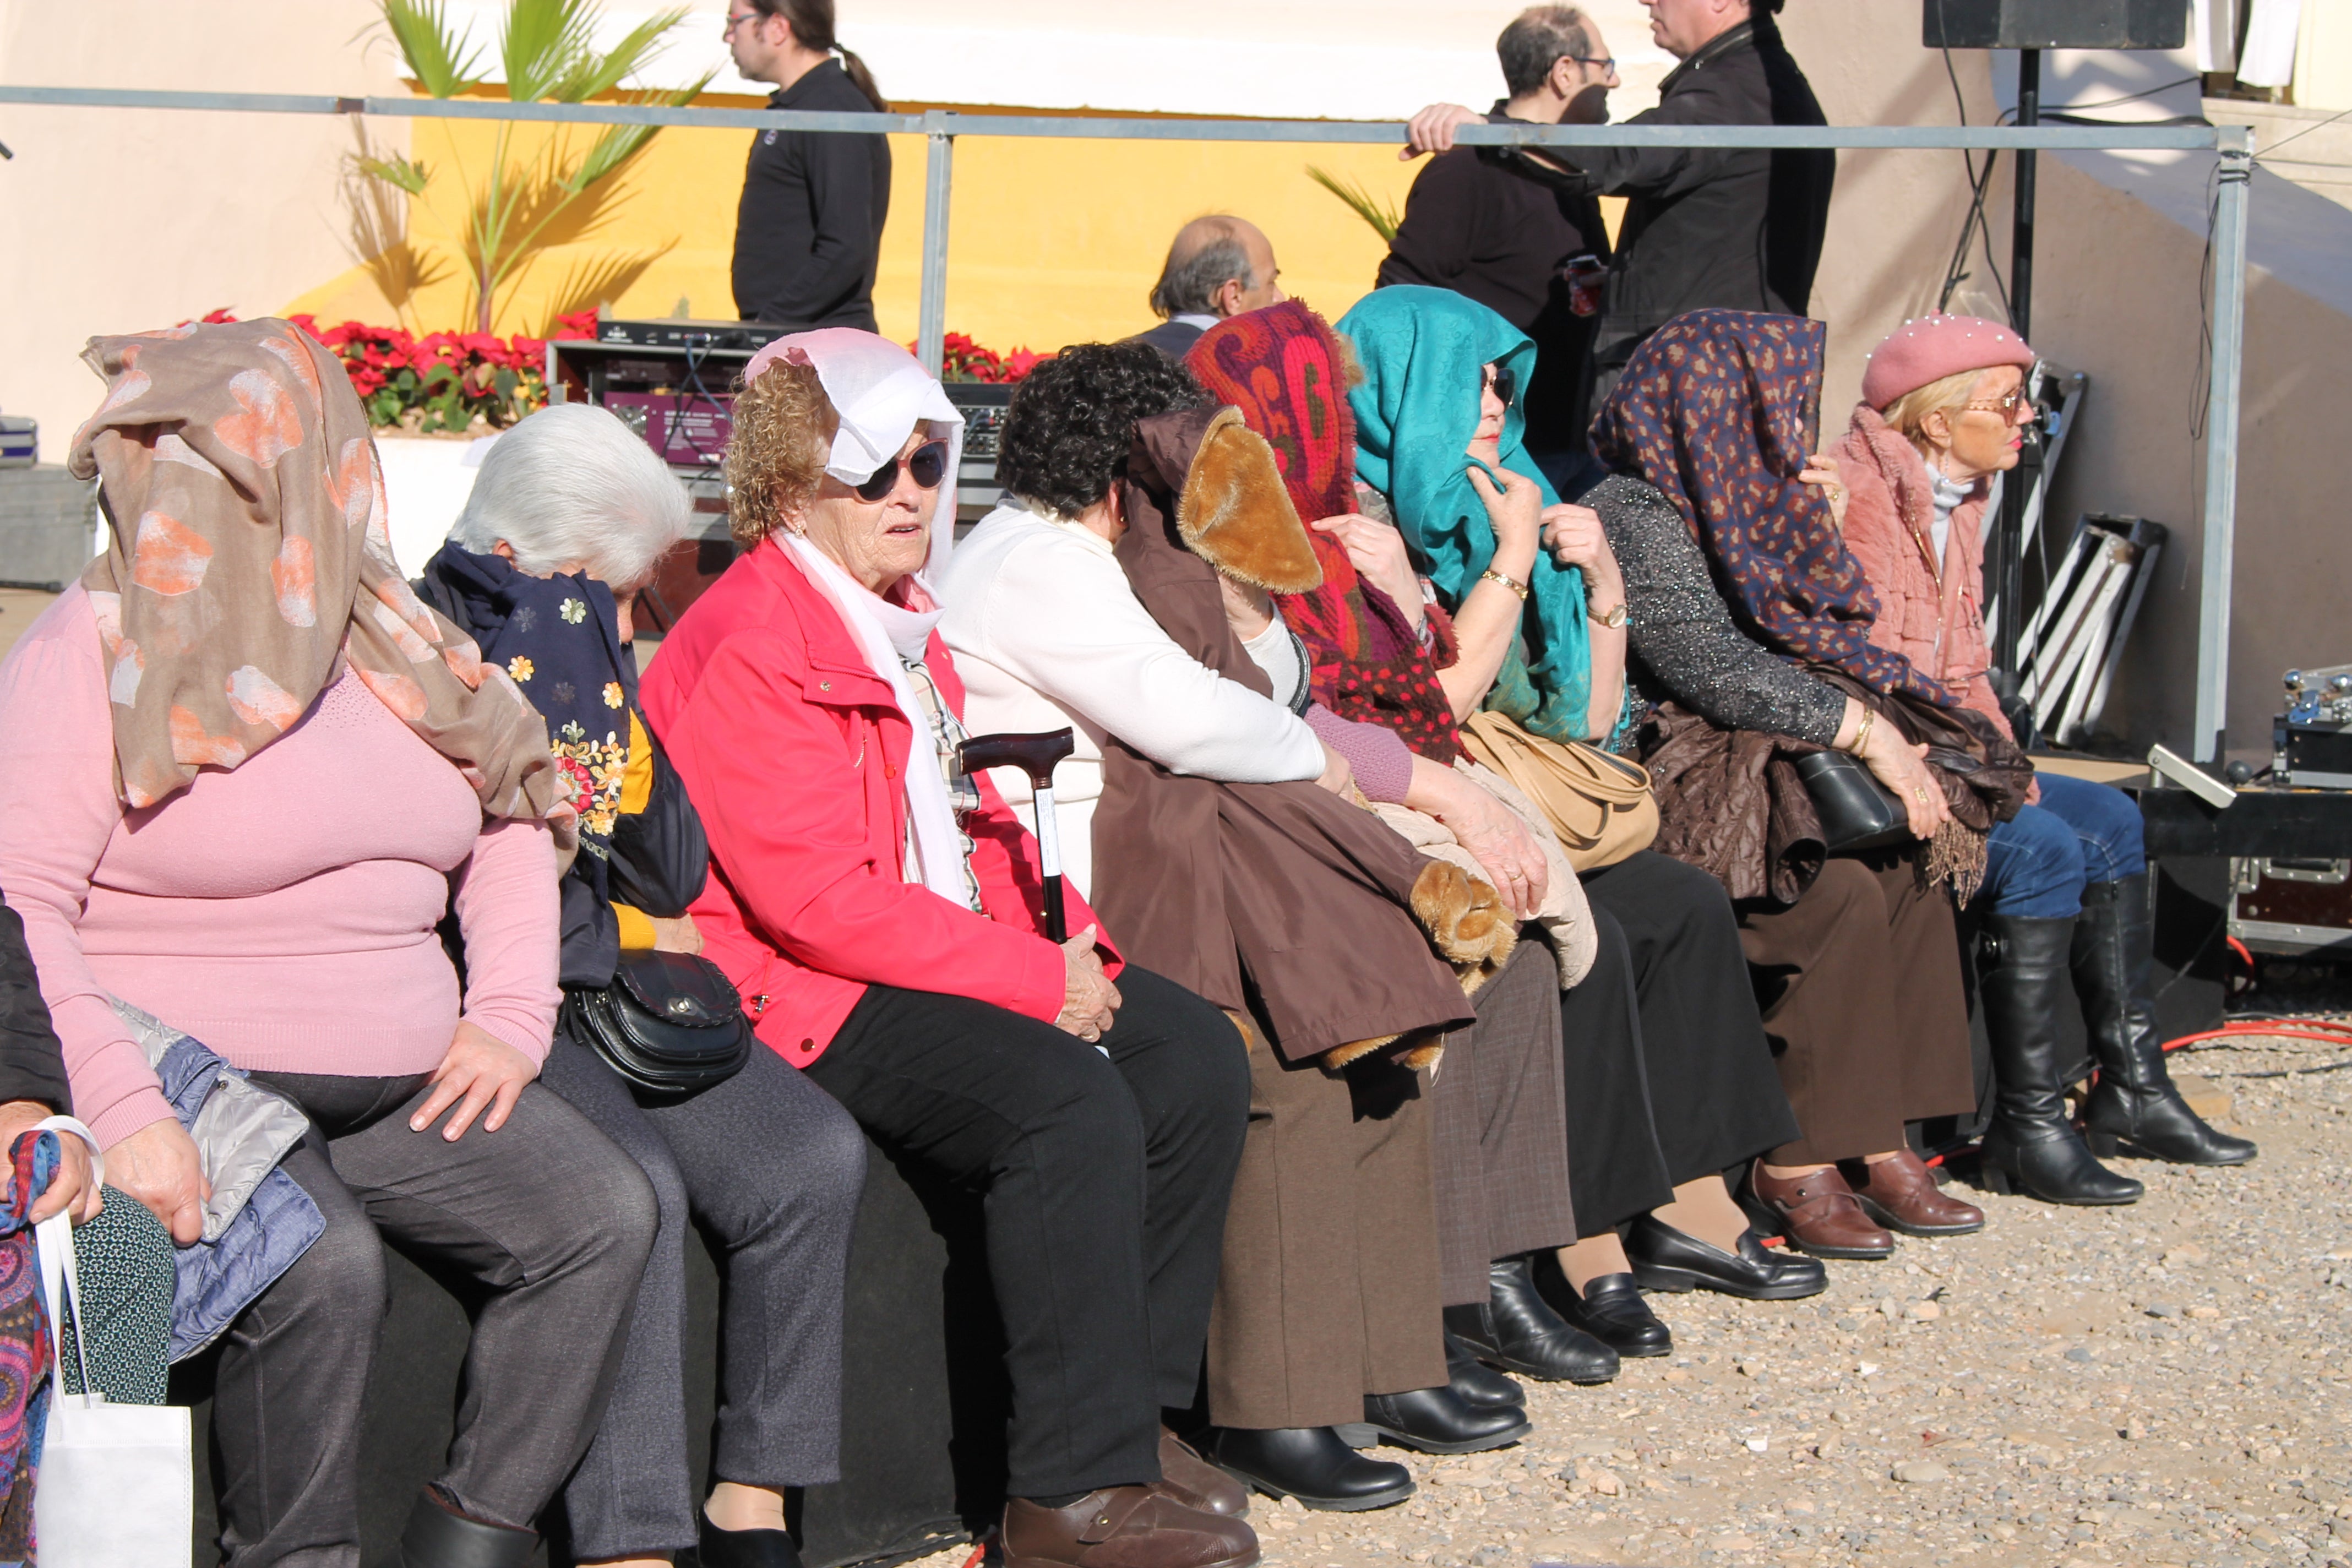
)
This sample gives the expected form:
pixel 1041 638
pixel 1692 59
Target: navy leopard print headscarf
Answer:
pixel 1719 409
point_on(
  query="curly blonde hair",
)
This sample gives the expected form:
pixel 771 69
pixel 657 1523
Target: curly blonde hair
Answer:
pixel 783 427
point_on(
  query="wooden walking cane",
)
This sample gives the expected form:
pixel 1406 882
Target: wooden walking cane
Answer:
pixel 1035 755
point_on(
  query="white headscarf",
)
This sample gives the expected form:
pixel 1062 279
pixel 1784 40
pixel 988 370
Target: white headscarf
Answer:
pixel 880 394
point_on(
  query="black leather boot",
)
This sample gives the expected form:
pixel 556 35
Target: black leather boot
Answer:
pixel 2134 1109
pixel 1311 1464
pixel 2031 1147
pixel 1480 1385
pixel 438 1537
pixel 1437 1421
pixel 1514 1328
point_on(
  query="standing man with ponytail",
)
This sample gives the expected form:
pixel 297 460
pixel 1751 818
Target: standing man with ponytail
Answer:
pixel 810 223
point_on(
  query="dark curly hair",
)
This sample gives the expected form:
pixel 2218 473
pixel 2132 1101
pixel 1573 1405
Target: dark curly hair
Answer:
pixel 1073 419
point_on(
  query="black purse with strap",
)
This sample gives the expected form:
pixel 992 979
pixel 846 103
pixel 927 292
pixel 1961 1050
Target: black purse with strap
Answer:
pixel 670 1024
pixel 1857 812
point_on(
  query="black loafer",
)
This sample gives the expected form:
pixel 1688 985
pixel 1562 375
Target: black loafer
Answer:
pixel 1514 1330
pixel 1612 1311
pixel 1436 1421
pixel 1667 1259
pixel 744 1548
pixel 1311 1464
pixel 1480 1385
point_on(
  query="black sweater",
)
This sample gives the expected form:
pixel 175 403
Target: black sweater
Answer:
pixel 32 1065
pixel 1735 230
pixel 810 223
pixel 1500 228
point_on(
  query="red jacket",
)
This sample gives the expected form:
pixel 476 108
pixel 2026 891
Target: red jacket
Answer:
pixel 792 748
pixel 1927 611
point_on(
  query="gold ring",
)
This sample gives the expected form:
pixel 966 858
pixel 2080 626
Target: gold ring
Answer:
pixel 1919 793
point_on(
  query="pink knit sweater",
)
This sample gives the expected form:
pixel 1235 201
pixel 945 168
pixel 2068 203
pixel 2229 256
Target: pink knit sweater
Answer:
pixel 282 913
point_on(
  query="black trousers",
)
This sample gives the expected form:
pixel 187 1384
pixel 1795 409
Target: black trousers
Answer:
pixel 1104 1186
pixel 1670 1075
pixel 545 1213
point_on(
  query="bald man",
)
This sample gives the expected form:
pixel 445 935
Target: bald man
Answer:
pixel 1218 267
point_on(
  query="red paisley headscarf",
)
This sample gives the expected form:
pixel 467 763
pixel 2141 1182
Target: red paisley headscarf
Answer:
pixel 1289 373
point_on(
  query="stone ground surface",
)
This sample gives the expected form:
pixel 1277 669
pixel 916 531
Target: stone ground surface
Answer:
pixel 2165 1384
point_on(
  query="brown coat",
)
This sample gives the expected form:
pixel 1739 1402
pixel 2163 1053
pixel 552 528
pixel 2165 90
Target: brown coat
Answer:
pixel 1281 900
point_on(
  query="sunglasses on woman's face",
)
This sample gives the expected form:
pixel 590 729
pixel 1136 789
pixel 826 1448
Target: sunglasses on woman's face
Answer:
pixel 1504 383
pixel 927 464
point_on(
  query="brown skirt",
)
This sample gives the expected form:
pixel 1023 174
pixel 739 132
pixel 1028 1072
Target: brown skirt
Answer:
pixel 1328 1285
pixel 1859 985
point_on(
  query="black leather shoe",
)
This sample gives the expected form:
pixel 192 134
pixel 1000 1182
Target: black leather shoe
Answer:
pixel 1312 1465
pixel 1480 1385
pixel 2134 1109
pixel 1512 1329
pixel 1436 1421
pixel 1612 1311
pixel 437 1537
pixel 1667 1259
pixel 744 1548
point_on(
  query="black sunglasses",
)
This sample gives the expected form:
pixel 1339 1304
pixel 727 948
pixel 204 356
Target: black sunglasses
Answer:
pixel 1504 383
pixel 927 463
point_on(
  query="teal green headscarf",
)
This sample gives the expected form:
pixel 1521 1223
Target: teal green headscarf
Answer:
pixel 1424 351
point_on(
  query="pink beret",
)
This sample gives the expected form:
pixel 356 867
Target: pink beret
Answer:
pixel 1933 347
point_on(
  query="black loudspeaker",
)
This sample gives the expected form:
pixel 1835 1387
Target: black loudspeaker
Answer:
pixel 2054 24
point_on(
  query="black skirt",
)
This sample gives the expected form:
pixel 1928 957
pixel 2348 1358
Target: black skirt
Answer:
pixel 1669 1075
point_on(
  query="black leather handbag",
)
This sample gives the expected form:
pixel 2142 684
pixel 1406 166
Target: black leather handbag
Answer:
pixel 1857 812
pixel 670 1023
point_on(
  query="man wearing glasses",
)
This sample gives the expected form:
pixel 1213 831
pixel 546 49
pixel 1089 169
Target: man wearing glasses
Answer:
pixel 810 223
pixel 1518 234
pixel 1739 230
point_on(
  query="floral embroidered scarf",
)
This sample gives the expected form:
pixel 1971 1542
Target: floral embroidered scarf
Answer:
pixel 1423 351
pixel 559 640
pixel 1288 373
pixel 25 1386
pixel 1718 410
pixel 250 556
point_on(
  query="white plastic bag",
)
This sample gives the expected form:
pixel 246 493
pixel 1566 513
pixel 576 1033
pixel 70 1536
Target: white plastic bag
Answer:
pixel 117 1483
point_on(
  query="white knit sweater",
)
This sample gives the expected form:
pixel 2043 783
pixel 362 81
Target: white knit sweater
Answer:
pixel 1046 632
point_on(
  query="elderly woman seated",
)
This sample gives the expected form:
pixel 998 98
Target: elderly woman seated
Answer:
pixel 1855 955
pixel 249 770
pixel 565 522
pixel 880 911
pixel 1943 409
pixel 1124 591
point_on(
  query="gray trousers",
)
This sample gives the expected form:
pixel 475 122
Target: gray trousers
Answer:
pixel 1498 1127
pixel 771 1166
pixel 545 1213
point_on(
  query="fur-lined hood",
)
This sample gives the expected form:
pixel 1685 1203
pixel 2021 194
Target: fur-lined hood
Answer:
pixel 1231 510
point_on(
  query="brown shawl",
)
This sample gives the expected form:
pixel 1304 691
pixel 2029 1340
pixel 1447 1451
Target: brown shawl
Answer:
pixel 1731 801
pixel 1279 899
pixel 249 555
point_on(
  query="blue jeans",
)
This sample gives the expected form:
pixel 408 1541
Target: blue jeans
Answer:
pixel 2037 862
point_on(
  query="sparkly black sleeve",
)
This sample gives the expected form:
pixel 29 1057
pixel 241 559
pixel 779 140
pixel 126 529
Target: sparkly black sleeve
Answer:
pixel 1682 641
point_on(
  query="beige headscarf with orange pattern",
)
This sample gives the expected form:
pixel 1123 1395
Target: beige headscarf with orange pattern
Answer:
pixel 249 554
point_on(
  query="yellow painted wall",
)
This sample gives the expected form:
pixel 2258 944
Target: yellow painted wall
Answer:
pixel 1050 242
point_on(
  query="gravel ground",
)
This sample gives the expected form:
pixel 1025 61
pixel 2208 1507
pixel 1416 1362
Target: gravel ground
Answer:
pixel 2165 1384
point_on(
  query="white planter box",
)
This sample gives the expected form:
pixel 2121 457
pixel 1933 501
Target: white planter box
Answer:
pixel 426 480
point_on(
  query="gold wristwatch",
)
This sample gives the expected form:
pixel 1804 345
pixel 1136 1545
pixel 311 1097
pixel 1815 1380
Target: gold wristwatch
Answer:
pixel 1614 619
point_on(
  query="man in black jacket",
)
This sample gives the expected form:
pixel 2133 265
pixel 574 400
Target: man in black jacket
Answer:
pixel 809 227
pixel 1738 230
pixel 1518 233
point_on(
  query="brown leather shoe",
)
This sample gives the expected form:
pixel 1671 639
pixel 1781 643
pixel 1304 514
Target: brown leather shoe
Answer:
pixel 1901 1193
pixel 1124 1527
pixel 1196 1483
pixel 1819 1213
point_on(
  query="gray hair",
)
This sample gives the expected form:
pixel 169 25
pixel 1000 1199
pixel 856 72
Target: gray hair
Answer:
pixel 1537 39
pixel 573 486
pixel 1189 283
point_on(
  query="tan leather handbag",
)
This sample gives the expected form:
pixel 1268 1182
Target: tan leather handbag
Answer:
pixel 1600 805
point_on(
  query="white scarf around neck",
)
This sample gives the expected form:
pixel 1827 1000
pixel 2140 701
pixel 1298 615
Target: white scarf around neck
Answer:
pixel 888 635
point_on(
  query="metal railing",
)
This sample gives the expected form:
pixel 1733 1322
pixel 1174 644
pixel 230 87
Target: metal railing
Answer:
pixel 940 128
